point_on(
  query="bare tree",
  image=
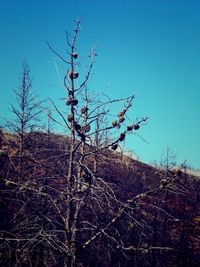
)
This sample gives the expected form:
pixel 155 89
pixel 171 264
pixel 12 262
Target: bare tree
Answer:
pixel 80 203
pixel 25 111
pixel 168 160
pixel 70 206
pixel 86 194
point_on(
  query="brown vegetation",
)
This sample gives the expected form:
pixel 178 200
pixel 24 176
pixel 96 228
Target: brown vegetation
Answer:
pixel 161 230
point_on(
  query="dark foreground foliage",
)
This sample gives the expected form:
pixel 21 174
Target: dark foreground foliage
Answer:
pixel 158 223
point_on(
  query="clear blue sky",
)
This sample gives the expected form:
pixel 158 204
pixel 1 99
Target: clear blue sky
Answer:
pixel 147 48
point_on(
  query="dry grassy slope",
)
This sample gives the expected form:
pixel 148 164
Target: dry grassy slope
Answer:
pixel 131 177
pixel 114 166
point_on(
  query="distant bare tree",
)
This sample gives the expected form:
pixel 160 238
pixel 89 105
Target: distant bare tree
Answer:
pixel 168 160
pixel 25 112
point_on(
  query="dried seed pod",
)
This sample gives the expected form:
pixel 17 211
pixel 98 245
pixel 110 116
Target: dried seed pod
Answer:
pixel 75 75
pixel 74 55
pixel 136 127
pixel 74 102
pixel 121 119
pixel 118 126
pixel 114 146
pixel 129 127
pixel 122 137
pixel 77 126
pixel 163 183
pixel 114 123
pixel 72 75
pixel 84 110
pixel 87 128
pixel 70 118
pixel 68 101
pixel 120 114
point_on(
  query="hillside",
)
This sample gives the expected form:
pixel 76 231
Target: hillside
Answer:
pixel 132 214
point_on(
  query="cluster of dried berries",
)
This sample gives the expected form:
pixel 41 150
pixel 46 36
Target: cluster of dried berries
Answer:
pixel 121 116
pixel 72 75
pixel 71 101
pixel 74 55
pixel 84 110
pixel 114 146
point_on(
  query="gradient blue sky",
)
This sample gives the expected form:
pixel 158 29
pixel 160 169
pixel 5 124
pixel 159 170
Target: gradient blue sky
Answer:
pixel 147 48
